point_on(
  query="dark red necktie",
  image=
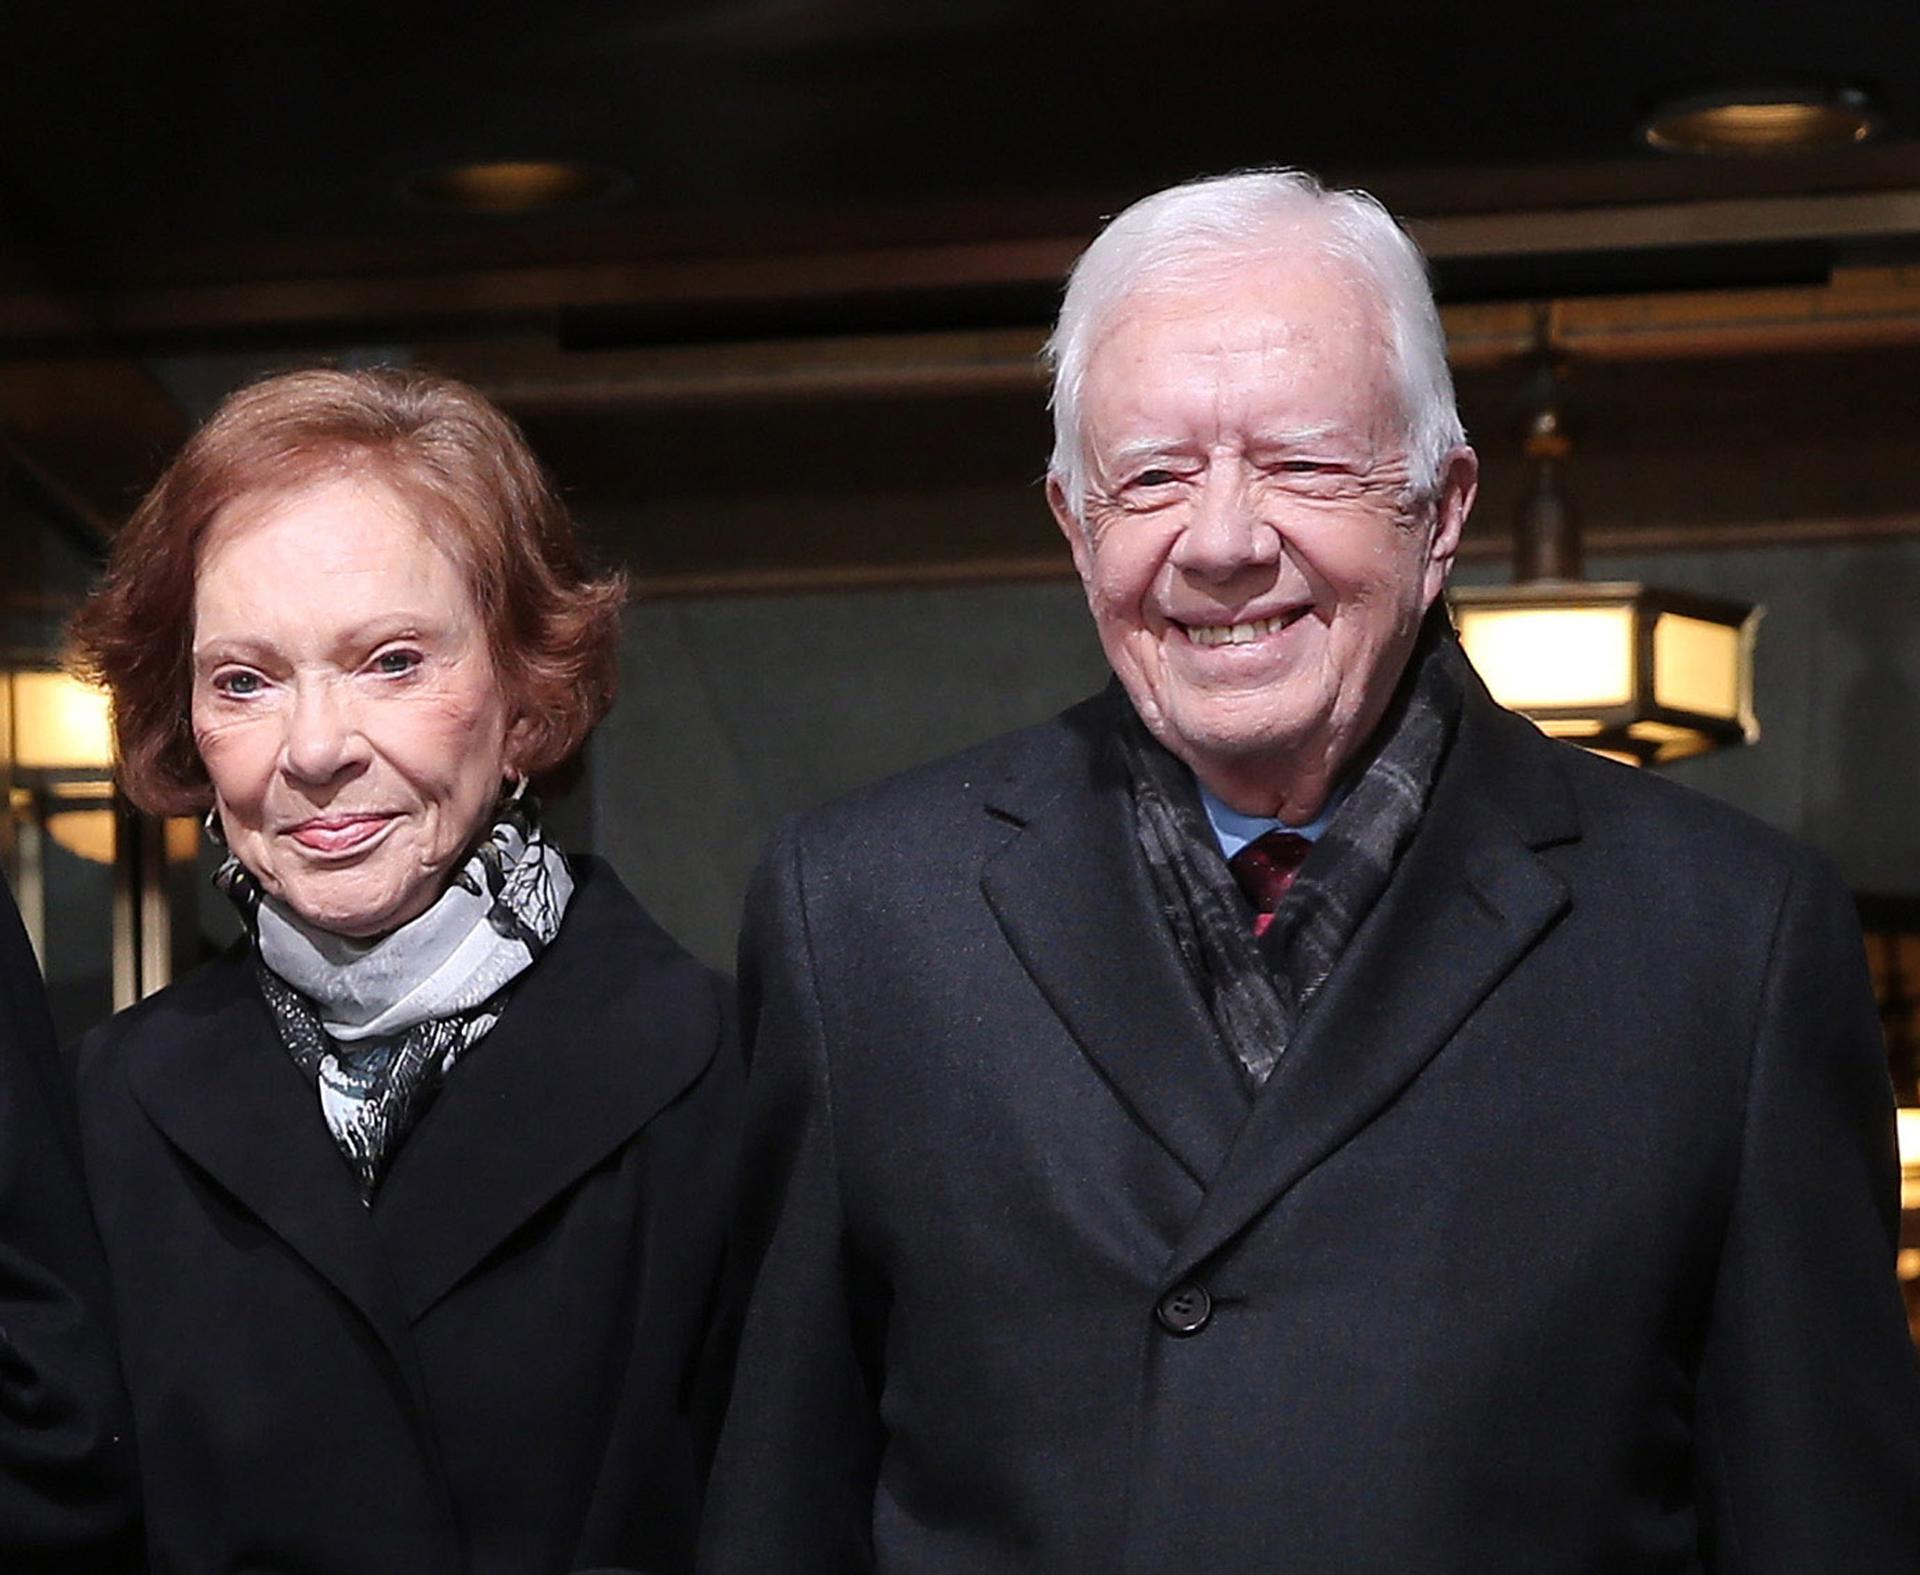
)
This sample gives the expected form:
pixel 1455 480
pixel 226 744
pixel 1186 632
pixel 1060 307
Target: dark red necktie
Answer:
pixel 1265 869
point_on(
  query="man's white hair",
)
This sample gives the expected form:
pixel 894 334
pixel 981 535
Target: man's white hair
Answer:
pixel 1191 235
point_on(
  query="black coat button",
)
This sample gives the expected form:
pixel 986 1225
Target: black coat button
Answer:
pixel 1185 1309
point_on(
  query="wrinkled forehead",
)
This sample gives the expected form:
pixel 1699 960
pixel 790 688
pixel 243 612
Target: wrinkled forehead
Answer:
pixel 347 530
pixel 342 481
pixel 1302 324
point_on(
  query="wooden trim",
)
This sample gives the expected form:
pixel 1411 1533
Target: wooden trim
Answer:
pixel 1643 226
pixel 1734 536
pixel 542 379
pixel 801 580
pixel 533 294
pixel 526 294
pixel 1860 308
pixel 812 579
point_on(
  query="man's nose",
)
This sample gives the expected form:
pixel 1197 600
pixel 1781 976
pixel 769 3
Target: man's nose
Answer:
pixel 323 737
pixel 1226 530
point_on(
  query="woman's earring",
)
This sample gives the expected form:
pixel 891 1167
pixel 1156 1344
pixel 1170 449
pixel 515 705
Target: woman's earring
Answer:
pixel 210 824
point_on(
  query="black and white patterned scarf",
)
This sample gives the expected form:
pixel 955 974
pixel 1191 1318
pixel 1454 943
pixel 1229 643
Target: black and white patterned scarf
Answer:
pixel 1259 991
pixel 378 1024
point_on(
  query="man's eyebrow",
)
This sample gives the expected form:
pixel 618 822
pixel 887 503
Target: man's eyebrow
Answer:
pixel 1300 437
pixel 1124 455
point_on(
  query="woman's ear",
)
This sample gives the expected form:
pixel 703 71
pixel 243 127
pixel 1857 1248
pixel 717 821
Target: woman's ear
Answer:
pixel 517 745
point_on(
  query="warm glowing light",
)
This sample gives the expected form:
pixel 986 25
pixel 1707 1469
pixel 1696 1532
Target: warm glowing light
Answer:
pixel 1622 669
pixel 181 839
pixel 85 833
pixel 1761 123
pixel 507 186
pixel 1552 656
pixel 60 724
pixel 1696 666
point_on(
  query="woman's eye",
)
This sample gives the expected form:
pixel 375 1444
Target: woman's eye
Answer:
pixel 238 684
pixel 395 662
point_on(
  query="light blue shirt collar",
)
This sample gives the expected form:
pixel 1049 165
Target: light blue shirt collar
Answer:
pixel 1234 830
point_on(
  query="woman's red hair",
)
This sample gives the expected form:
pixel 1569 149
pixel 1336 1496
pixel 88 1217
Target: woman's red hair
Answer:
pixel 453 460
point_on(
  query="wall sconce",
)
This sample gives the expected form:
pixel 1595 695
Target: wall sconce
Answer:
pixel 1642 674
pixel 1626 670
pixel 57 735
pixel 60 723
pixel 62 748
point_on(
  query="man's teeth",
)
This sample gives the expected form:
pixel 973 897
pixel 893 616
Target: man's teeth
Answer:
pixel 1234 633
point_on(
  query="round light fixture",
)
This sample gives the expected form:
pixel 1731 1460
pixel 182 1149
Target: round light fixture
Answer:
pixel 1758 122
pixel 513 186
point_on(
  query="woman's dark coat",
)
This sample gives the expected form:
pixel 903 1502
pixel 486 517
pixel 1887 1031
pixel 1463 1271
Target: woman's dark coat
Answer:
pixel 491 1368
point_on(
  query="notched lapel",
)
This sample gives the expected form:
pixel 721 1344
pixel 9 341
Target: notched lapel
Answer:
pixel 606 1030
pixel 1470 900
pixel 226 1095
pixel 1077 905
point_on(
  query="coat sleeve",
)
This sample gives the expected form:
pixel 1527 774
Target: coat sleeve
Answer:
pixel 793 1477
pixel 1809 1403
pixel 66 1471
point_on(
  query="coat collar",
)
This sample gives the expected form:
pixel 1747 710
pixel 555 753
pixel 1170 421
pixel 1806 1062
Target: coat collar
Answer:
pixel 608 1028
pixel 603 1031
pixel 1471 897
pixel 1069 889
pixel 212 1076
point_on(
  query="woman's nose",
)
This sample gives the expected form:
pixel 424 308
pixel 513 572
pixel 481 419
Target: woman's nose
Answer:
pixel 323 738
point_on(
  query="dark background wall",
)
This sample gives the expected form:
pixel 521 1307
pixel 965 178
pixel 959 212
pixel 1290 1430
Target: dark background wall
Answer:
pixel 738 710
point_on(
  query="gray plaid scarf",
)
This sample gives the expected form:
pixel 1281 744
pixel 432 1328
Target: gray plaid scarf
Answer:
pixel 1259 991
pixel 378 1024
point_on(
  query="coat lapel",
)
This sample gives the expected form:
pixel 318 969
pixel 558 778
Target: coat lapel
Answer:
pixel 228 1097
pixel 1069 888
pixel 606 1029
pixel 1471 898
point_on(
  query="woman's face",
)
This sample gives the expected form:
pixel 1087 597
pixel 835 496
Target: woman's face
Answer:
pixel 345 704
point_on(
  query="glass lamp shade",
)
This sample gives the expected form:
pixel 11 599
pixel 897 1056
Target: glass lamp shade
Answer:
pixel 1645 675
pixel 60 724
pixel 62 742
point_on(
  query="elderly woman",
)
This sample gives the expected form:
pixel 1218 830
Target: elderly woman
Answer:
pixel 412 1201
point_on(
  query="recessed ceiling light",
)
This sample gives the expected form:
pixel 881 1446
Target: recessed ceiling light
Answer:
pixel 513 186
pixel 1759 122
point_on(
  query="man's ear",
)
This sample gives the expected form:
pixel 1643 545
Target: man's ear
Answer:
pixel 1459 482
pixel 1070 527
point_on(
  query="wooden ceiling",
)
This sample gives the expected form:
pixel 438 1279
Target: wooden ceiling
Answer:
pixel 814 304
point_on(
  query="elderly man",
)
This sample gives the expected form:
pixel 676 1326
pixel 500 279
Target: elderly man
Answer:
pixel 1286 1113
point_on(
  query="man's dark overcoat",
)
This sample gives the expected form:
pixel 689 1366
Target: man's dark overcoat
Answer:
pixel 1560 1239
pixel 66 1461
pixel 489 1370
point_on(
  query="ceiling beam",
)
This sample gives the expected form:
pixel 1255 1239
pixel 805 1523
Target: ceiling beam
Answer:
pixel 1725 222
pixel 370 302
pixel 1861 308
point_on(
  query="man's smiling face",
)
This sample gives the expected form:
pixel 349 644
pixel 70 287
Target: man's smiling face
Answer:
pixel 1255 559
